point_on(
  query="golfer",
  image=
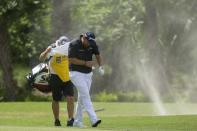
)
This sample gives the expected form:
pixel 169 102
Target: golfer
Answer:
pixel 59 79
pixel 80 57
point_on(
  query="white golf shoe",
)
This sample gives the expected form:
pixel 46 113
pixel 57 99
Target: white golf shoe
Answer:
pixel 78 124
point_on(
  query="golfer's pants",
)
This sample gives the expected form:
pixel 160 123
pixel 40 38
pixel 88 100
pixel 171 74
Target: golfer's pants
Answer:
pixel 83 82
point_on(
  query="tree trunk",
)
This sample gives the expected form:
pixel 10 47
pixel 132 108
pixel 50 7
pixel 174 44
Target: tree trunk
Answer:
pixel 61 21
pixel 154 52
pixel 6 65
pixel 151 27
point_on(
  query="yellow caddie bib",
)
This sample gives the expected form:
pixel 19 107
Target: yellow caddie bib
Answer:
pixel 60 65
pixel 59 61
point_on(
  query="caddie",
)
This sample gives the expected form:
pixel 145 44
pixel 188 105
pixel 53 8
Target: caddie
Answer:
pixel 59 79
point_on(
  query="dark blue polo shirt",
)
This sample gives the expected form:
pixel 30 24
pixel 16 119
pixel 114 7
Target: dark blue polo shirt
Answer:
pixel 77 50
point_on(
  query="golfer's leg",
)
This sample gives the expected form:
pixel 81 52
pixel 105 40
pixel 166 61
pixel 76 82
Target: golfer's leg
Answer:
pixel 92 113
pixel 76 79
pixel 89 80
pixel 79 110
pixel 85 96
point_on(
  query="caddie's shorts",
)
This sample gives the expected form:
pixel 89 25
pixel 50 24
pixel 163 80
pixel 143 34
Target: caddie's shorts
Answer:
pixel 60 88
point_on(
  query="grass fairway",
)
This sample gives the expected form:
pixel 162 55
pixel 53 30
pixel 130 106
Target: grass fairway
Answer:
pixel 37 116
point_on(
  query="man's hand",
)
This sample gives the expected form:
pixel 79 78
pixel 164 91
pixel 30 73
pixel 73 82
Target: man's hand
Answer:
pixel 101 70
pixel 90 63
pixel 48 49
pixel 43 55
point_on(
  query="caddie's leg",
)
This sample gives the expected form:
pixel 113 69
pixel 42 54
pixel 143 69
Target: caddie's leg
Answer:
pixel 56 94
pixel 70 109
pixel 55 108
pixel 70 106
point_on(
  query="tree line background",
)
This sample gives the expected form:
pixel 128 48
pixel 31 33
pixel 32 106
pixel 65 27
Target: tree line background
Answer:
pixel 142 42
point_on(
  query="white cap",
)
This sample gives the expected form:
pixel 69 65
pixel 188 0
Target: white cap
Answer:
pixel 61 40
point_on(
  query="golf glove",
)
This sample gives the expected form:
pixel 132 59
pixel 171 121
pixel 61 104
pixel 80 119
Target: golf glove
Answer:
pixel 101 71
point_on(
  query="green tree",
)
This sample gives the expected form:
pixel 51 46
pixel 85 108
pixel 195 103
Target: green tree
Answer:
pixel 117 25
pixel 61 18
pixel 159 32
pixel 18 19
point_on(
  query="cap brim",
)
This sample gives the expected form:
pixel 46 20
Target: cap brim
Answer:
pixel 91 39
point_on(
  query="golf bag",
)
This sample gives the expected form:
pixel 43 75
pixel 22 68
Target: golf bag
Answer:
pixel 39 78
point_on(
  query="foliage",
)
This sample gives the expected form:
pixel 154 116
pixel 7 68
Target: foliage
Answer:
pixel 120 97
pixel 117 25
pixel 105 97
pixel 38 96
pixel 132 97
pixel 1 86
pixel 28 26
pixel 25 92
pixel 120 28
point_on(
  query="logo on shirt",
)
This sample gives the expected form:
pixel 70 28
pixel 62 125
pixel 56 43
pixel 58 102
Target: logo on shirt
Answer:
pixel 58 59
pixel 90 48
pixel 81 50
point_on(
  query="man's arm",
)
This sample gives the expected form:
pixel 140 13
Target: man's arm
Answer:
pixel 76 61
pixel 99 59
pixel 43 55
pixel 72 54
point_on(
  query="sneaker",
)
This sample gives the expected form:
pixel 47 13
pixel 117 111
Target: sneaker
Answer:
pixel 57 122
pixel 78 124
pixel 96 123
pixel 70 122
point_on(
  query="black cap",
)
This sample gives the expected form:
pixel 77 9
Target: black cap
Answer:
pixel 90 36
